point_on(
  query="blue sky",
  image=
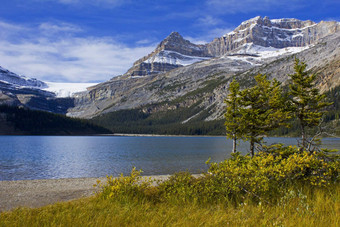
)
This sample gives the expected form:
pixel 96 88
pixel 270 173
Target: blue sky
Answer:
pixel 94 40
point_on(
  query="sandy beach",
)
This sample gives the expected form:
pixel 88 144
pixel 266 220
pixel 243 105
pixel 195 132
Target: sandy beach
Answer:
pixel 37 193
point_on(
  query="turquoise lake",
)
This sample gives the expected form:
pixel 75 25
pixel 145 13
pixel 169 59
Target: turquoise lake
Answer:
pixel 52 157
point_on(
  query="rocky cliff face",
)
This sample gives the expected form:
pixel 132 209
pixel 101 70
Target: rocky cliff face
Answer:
pixel 277 33
pixel 175 51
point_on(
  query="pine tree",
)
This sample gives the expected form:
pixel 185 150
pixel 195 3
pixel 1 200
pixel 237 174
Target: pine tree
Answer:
pixel 232 115
pixel 307 102
pixel 263 109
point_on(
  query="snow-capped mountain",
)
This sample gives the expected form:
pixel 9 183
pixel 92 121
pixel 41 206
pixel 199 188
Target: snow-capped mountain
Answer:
pixel 258 36
pixel 17 81
pixel 276 33
pixel 35 94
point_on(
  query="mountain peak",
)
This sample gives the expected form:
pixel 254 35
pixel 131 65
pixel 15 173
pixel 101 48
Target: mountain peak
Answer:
pixel 276 33
pixel 285 23
pixel 174 37
pixel 176 42
pixel 174 51
pixel 252 20
pixel 174 34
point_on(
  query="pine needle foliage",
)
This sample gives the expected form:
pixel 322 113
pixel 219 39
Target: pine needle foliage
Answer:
pixel 255 111
pixel 307 102
pixel 233 116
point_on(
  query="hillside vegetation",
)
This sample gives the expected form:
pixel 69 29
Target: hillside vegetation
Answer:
pixel 169 122
pixel 22 121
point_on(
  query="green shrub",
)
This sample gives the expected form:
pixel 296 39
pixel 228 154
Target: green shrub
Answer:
pixel 134 186
pixel 269 173
pixel 266 177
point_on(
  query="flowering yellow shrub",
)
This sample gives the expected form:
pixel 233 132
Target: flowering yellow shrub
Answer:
pixel 266 176
pixel 133 185
pixel 272 170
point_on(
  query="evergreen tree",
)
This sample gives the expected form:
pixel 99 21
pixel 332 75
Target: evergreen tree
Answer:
pixel 263 109
pixel 233 115
pixel 307 102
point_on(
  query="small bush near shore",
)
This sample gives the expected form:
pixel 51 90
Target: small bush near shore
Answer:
pixel 280 186
pixel 264 178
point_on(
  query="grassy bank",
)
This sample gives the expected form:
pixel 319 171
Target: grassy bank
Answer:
pixel 280 186
pixel 321 207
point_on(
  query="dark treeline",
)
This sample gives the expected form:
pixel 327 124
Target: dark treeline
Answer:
pixel 17 120
pixel 168 123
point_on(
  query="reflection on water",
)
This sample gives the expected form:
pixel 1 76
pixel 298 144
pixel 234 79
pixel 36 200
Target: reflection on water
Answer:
pixel 47 157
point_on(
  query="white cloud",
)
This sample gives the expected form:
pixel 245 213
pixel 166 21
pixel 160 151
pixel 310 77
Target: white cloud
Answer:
pixel 144 41
pixel 59 27
pixel 10 27
pixel 112 3
pixel 8 30
pixel 246 6
pixel 209 20
pixel 65 58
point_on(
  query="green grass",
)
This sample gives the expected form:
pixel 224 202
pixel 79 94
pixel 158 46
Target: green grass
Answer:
pixel 323 210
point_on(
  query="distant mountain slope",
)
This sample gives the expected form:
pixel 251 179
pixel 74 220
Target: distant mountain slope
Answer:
pixel 19 81
pixel 35 94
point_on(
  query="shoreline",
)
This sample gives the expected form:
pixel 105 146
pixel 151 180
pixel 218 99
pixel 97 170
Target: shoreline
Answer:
pixel 158 135
pixel 152 135
pixel 116 134
pixel 42 192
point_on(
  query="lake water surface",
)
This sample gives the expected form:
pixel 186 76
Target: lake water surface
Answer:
pixel 50 157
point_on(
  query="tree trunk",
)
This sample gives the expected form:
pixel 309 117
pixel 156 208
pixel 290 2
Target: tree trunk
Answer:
pixel 234 144
pixel 252 147
pixel 303 138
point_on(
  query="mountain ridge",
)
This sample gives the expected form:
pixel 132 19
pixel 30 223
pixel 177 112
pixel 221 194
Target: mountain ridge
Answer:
pixel 275 33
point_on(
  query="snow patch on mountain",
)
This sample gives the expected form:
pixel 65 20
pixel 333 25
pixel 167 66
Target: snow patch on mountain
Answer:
pixel 67 89
pixel 174 58
pixel 16 82
pixel 268 52
pixel 278 21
